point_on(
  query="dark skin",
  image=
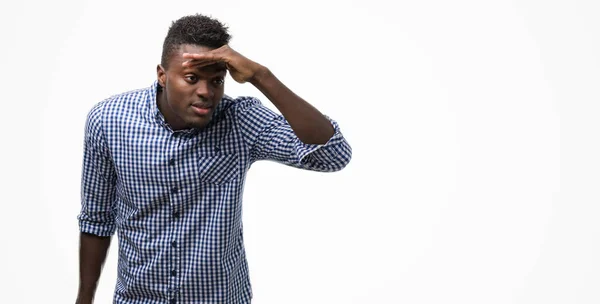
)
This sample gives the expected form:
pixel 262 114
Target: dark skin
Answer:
pixel 193 85
pixel 92 255
pixel 203 64
pixel 189 88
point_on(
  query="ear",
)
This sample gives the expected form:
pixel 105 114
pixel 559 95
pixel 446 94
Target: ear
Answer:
pixel 161 75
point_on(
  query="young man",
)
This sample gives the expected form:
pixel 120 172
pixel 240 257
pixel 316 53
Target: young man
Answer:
pixel 164 167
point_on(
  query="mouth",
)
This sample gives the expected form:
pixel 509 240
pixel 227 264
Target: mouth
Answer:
pixel 201 108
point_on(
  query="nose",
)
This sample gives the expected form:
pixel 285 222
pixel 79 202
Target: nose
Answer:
pixel 204 90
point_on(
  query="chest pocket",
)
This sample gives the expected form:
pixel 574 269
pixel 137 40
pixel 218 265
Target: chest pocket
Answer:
pixel 218 169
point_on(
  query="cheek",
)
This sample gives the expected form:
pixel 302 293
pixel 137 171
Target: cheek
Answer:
pixel 175 101
pixel 219 92
pixel 176 93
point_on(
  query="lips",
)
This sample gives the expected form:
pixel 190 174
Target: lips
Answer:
pixel 201 108
pixel 203 105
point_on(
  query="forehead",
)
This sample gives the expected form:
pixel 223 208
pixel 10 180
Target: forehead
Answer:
pixel 177 59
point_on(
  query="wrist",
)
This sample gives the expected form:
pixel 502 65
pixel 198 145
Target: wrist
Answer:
pixel 260 75
pixel 87 291
pixel 84 298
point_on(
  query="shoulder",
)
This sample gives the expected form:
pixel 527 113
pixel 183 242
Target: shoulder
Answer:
pixel 248 110
pixel 237 104
pixel 240 109
pixel 245 107
pixel 118 105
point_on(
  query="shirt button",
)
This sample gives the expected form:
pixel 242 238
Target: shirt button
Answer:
pixel 173 301
pixel 176 214
pixel 174 244
pixel 173 273
pixel 171 162
pixel 174 190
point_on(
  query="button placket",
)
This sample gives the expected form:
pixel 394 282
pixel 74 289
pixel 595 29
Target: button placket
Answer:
pixel 174 202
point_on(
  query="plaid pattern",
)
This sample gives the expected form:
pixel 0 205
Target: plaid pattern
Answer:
pixel 174 197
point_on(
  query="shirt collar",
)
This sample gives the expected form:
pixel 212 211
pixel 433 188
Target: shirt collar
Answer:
pixel 153 112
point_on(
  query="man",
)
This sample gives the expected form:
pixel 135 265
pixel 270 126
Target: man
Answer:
pixel 164 167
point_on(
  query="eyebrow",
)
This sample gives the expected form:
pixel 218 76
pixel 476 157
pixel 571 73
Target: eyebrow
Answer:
pixel 209 69
pixel 221 68
pixel 215 67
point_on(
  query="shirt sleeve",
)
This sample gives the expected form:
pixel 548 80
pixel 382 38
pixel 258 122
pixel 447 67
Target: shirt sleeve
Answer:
pixel 98 180
pixel 270 137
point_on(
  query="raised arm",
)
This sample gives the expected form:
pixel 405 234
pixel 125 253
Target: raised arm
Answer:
pixel 308 123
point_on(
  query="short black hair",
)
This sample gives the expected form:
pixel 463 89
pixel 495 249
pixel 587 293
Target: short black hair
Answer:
pixel 194 29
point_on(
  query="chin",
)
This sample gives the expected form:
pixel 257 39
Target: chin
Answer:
pixel 199 124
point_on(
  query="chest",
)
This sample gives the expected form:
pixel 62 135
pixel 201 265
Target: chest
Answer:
pixel 149 156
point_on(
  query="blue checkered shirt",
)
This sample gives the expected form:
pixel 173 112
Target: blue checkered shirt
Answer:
pixel 175 197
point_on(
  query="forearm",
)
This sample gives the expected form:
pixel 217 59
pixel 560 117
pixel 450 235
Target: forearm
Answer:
pixel 92 254
pixel 308 123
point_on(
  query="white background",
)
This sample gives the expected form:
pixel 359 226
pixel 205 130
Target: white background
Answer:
pixel 474 126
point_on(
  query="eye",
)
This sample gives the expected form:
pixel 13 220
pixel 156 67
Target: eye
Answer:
pixel 219 81
pixel 191 78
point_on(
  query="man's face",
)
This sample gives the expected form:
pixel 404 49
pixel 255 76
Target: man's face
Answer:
pixel 190 94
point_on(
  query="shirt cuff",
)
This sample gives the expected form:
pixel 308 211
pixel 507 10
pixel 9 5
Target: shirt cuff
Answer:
pixel 104 229
pixel 303 150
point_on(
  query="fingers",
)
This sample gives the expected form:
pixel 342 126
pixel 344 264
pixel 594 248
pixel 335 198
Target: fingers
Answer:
pixel 199 56
pixel 199 63
pixel 202 59
pixel 205 56
pixel 223 54
pixel 220 54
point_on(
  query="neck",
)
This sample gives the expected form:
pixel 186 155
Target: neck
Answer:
pixel 163 106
